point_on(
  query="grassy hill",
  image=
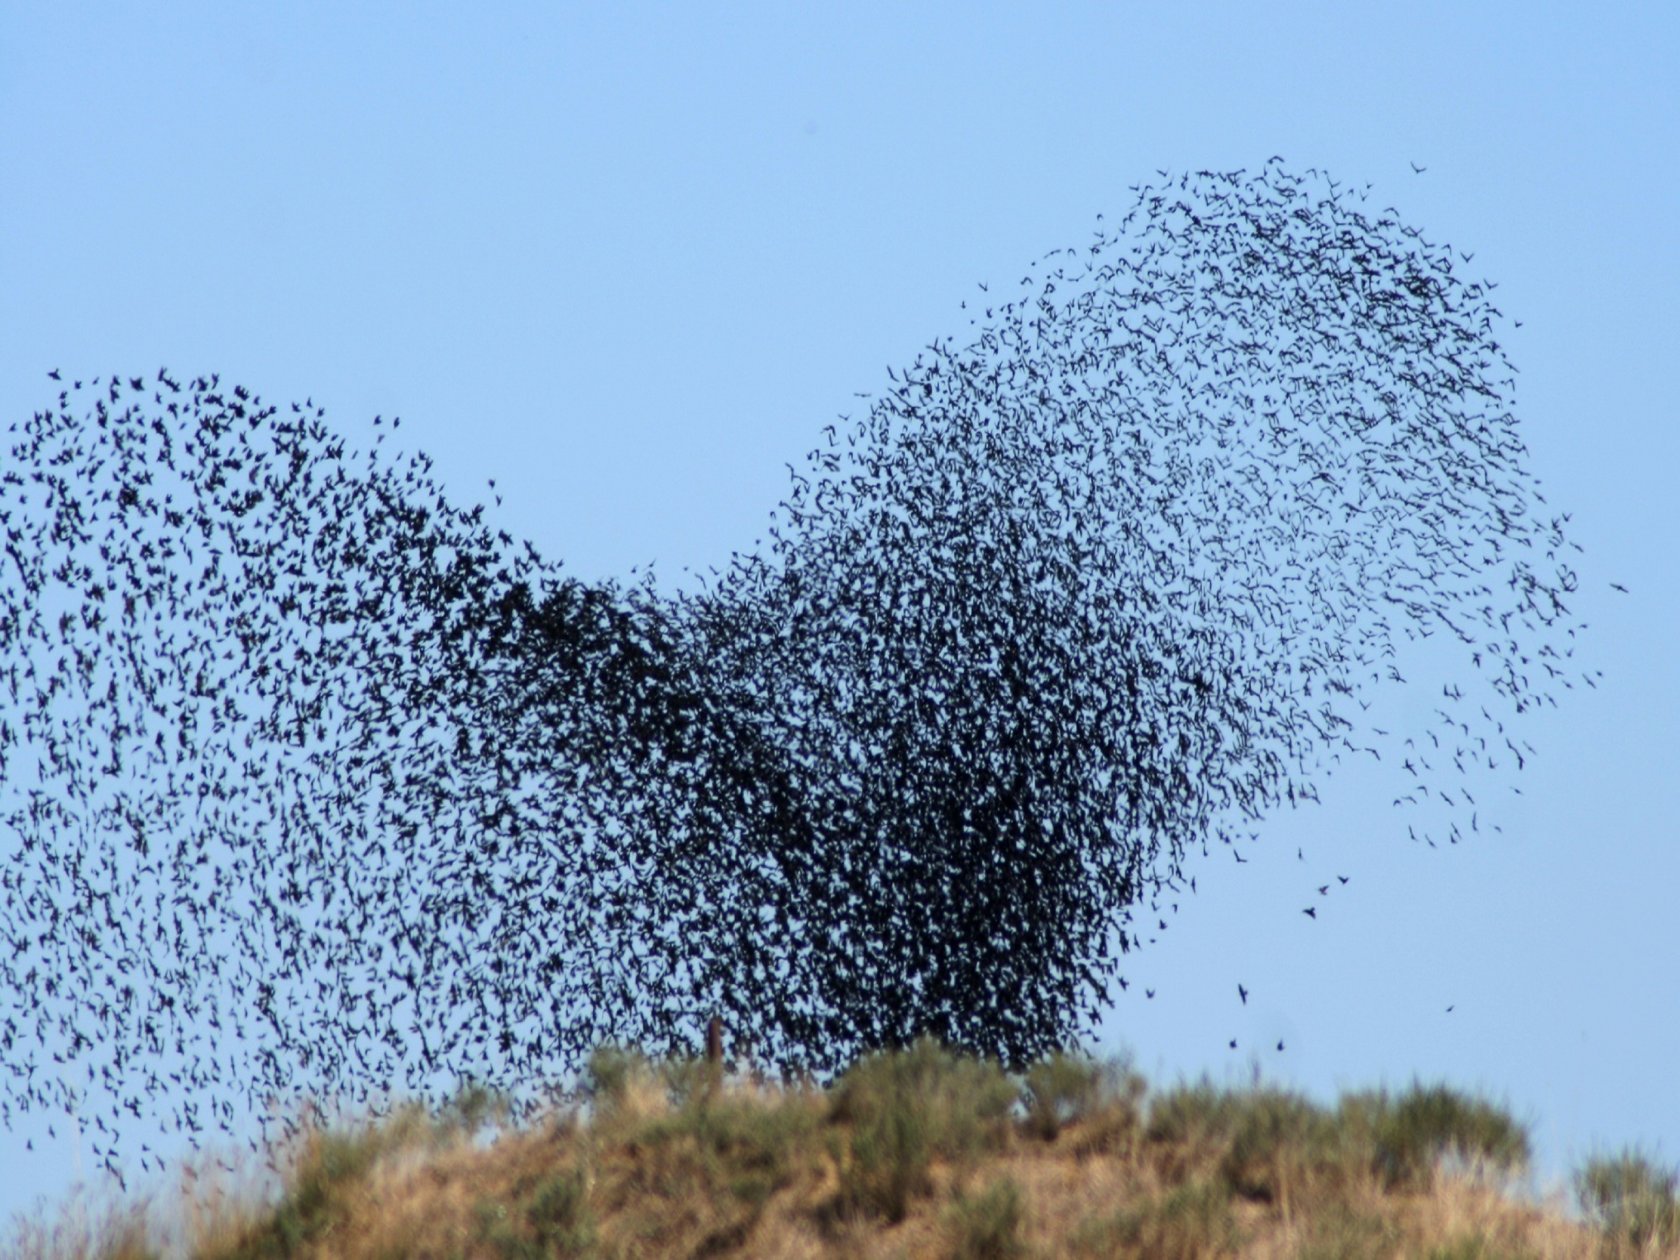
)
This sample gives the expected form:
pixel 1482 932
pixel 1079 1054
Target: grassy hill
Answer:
pixel 918 1153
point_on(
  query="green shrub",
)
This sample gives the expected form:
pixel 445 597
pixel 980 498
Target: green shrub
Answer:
pixel 987 1226
pixel 964 1103
pixel 1191 1114
pixel 329 1160
pixel 1632 1199
pixel 891 1161
pixel 905 1107
pixel 1266 1144
pixel 1114 1124
pixel 1060 1090
pixel 1337 1232
pixel 1409 1135
pixel 749 1146
pixel 553 1221
pixel 559 1214
pixel 1189 1223
pixel 472 1106
pixel 611 1073
pixel 1278 1145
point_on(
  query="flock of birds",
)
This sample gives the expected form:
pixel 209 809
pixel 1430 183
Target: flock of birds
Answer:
pixel 315 782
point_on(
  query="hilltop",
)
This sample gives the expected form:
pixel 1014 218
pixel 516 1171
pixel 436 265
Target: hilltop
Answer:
pixel 915 1153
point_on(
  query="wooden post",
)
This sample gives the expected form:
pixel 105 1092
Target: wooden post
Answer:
pixel 714 1040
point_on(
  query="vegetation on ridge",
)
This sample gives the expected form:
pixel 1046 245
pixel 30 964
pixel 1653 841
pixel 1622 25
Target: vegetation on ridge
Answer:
pixel 919 1152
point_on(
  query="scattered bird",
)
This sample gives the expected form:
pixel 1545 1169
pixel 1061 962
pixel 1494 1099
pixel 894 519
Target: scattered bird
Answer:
pixel 1310 912
pixel 1243 994
pixel 1418 170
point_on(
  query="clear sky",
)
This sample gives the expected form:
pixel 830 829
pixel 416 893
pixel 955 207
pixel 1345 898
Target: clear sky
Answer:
pixel 628 260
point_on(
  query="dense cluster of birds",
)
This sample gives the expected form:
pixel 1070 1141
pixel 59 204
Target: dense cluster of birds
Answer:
pixel 316 783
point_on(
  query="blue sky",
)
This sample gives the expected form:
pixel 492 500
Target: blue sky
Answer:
pixel 628 260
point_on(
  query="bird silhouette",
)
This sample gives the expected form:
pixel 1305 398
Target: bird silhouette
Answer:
pixel 333 788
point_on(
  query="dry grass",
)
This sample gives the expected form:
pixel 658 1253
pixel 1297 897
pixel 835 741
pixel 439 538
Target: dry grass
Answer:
pixel 917 1153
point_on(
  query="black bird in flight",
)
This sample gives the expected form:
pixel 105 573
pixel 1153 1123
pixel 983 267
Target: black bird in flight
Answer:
pixel 1243 994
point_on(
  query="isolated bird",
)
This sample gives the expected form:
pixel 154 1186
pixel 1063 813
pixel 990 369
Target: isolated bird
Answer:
pixel 1243 994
